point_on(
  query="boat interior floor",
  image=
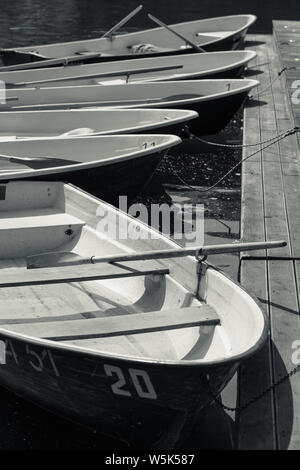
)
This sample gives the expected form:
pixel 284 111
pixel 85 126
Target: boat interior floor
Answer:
pixel 131 309
pixel 48 311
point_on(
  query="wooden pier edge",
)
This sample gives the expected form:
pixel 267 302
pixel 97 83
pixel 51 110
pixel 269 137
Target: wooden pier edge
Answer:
pixel 271 209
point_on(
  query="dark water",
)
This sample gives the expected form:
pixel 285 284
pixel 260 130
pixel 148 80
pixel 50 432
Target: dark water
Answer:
pixel 24 426
pixel 37 21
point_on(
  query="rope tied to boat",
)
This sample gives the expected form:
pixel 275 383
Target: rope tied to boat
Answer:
pixel 274 140
pixel 267 88
pixel 187 134
pixel 258 397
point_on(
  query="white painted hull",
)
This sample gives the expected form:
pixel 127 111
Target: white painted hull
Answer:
pixel 169 374
pixel 209 33
pixel 215 101
pixel 181 67
pixel 22 158
pixel 37 124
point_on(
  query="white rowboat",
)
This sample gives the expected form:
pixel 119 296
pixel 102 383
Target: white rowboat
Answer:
pixel 132 349
pixel 216 101
pixel 107 166
pixel 213 34
pixel 72 123
pixel 177 67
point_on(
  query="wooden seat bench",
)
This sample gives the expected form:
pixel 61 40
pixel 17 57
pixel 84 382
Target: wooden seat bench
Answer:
pixel 119 325
pixel 81 273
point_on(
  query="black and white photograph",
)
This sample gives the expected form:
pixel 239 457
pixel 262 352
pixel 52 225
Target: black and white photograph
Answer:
pixel 149 228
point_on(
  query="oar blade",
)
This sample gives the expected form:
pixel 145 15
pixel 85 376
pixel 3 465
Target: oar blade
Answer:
pixel 52 259
pixel 79 131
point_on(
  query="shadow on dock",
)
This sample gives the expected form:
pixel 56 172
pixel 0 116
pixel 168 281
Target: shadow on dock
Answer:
pixel 252 72
pixel 252 103
pixel 253 43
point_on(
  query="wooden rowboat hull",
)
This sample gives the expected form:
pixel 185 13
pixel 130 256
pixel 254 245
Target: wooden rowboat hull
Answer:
pixel 153 401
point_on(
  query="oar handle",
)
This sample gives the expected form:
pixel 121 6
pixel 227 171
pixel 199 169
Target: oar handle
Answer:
pixel 188 41
pixel 122 22
pixel 56 259
pixel 176 253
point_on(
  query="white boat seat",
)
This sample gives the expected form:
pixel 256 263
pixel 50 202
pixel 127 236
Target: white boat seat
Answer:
pixel 215 34
pixel 35 218
pixel 120 325
pixel 65 274
pixel 35 230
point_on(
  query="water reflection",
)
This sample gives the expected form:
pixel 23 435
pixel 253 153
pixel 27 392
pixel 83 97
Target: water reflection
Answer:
pixel 39 21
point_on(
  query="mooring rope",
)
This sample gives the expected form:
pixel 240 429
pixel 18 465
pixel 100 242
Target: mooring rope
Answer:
pixel 278 138
pixel 264 90
pixel 262 394
pixel 257 65
pixel 236 146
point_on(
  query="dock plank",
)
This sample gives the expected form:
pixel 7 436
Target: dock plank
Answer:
pixel 273 422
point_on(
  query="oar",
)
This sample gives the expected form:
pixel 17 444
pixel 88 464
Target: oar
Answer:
pixel 38 162
pixel 121 23
pixel 78 58
pixel 96 75
pixel 183 38
pixel 56 259
pixel 78 132
pixel 144 102
pixel 49 62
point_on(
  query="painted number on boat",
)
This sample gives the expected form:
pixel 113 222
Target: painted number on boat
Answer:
pixel 37 360
pixel 147 144
pixel 139 379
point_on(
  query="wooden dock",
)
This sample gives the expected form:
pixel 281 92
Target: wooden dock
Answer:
pixel 270 211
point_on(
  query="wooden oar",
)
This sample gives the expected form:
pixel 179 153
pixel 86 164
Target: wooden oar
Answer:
pixel 49 62
pixel 121 23
pixel 38 162
pixel 112 104
pixel 56 259
pixel 97 75
pixel 78 132
pixel 81 56
pixel 183 38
